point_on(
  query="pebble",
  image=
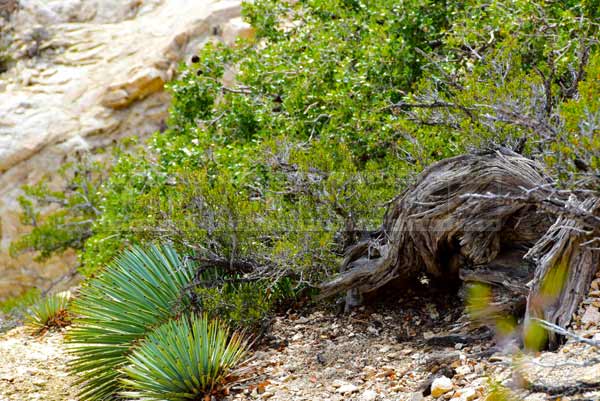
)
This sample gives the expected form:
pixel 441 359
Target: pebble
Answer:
pixel 373 330
pixel 463 370
pixel 368 395
pixel 466 394
pixel 479 369
pixel 441 386
pixel 347 388
pixel 591 315
pixel 416 396
pixel 385 349
pixel 39 382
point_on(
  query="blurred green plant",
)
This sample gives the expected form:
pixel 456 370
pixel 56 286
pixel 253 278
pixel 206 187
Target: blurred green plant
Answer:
pixel 185 359
pixel 497 392
pixel 142 289
pixel 5 60
pixel 6 38
pixel 20 303
pixel 61 218
pixel 535 337
pixel 50 313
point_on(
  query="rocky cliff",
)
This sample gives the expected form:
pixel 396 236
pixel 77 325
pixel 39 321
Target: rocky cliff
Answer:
pixel 84 73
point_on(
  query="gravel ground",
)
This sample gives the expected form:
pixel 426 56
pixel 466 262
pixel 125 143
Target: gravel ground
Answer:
pixel 388 352
pixel 34 368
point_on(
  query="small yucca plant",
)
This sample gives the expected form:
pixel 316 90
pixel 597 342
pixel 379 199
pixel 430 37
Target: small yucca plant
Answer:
pixel 135 294
pixel 49 313
pixel 183 360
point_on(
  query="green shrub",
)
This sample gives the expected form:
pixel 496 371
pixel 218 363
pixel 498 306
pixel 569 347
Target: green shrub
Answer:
pixel 14 310
pixel 333 109
pixel 139 291
pixel 283 167
pixel 244 304
pixel 281 173
pixel 50 313
pixel 575 152
pixel 183 360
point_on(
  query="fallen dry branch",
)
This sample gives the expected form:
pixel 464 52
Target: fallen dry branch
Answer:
pixel 563 390
pixel 563 332
pixel 492 218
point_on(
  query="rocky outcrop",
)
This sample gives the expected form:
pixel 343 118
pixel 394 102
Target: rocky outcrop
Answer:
pixel 86 73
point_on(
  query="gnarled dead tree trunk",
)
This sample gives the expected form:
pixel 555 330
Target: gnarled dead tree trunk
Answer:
pixel 567 257
pixel 475 218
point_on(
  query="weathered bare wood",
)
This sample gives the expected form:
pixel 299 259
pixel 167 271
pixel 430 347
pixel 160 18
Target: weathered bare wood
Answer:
pixel 493 218
pixel 432 228
pixel 565 269
pixel 509 270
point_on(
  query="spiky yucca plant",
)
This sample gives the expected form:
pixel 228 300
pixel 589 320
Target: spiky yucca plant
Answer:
pixel 115 310
pixel 183 360
pixel 49 313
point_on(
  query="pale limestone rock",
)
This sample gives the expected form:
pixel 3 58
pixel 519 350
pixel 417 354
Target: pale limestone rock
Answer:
pixel 465 394
pixel 591 315
pixel 347 389
pixel 463 370
pixel 237 28
pixel 441 386
pixel 96 74
pixel 368 395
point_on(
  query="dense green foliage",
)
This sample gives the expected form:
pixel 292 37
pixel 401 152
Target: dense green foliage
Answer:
pixel 281 151
pixel 139 291
pixel 52 312
pixel 189 358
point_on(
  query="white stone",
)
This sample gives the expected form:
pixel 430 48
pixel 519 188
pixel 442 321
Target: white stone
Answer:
pixel 338 383
pixel 468 394
pixel 368 395
pixel 463 370
pixel 373 330
pixel 347 389
pixel 591 315
pixel 441 386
